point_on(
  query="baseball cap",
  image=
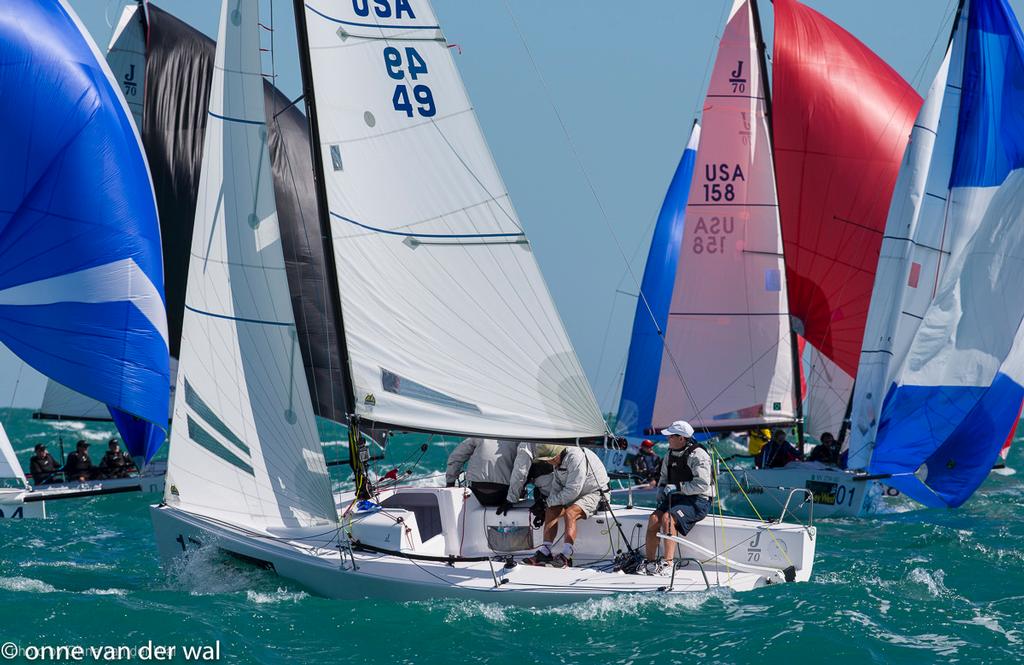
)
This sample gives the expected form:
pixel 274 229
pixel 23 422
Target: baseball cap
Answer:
pixel 680 427
pixel 547 451
pixel 647 443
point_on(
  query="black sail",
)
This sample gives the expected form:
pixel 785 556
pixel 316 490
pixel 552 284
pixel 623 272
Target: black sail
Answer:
pixel 179 68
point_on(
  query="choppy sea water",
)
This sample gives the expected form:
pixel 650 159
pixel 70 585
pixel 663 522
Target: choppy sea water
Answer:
pixel 910 587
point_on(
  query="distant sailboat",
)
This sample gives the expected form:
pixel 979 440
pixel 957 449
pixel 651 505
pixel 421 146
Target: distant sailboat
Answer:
pixel 446 323
pixel 81 283
pixel 797 208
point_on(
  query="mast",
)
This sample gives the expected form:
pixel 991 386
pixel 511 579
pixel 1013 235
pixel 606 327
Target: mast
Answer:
pixel 358 453
pixel 322 209
pixel 794 345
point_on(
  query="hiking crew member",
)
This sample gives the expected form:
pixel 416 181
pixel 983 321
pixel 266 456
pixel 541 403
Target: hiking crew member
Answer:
pixel 42 466
pixel 488 465
pixel 826 452
pixel 777 453
pixel 116 463
pixel 684 494
pixel 79 465
pixel 646 465
pixel 577 482
pixel 526 469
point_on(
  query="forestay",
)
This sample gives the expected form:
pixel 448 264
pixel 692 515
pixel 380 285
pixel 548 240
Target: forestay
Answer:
pixel 449 326
pixel 646 345
pixel 728 333
pixel 958 393
pixel 244 445
pixel 81 282
pixel 841 120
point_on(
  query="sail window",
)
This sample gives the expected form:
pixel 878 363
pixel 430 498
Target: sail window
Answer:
pixel 336 158
pixel 772 280
pixel 915 275
pixel 398 385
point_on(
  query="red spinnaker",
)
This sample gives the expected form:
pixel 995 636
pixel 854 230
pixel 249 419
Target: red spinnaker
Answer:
pixel 841 121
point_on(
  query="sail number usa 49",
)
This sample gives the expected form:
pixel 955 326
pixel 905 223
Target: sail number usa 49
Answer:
pixel 409 98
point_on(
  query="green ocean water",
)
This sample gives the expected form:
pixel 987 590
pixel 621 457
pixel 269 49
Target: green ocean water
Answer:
pixel 914 587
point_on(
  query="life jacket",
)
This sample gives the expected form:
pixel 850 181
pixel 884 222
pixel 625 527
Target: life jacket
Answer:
pixel 679 470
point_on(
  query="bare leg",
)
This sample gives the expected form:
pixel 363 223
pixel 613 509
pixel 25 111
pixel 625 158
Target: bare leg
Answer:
pixel 651 544
pixel 668 526
pixel 551 516
pixel 572 513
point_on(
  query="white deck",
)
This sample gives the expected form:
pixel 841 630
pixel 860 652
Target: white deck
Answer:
pixel 752 554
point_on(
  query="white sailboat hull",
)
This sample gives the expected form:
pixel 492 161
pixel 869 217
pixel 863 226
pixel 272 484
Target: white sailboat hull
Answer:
pixel 13 506
pixel 836 492
pixel 315 559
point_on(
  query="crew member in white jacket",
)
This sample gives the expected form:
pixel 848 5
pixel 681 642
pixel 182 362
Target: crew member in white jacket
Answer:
pixel 488 465
pixel 577 483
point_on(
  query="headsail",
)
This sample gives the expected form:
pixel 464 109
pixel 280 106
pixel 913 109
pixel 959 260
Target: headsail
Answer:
pixel 10 468
pixel 728 360
pixel 947 414
pixel 244 445
pixel 448 324
pixel 842 117
pixel 81 280
pixel 647 345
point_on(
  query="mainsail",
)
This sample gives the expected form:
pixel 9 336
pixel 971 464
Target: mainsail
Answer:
pixel 448 324
pixel 915 250
pixel 81 282
pixel 841 120
pixel 244 445
pixel 728 359
pixel 958 392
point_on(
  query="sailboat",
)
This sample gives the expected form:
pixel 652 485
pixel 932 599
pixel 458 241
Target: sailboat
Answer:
pixel 939 391
pixel 445 326
pixel 779 240
pixel 81 288
pixel 14 486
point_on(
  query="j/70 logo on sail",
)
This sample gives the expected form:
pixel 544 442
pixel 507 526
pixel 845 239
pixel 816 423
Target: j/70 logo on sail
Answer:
pixel 383 8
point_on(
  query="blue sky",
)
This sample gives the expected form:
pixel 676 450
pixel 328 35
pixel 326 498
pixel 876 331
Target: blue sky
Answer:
pixel 627 79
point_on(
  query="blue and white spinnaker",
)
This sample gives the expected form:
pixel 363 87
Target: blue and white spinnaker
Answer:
pixel 958 392
pixel 81 274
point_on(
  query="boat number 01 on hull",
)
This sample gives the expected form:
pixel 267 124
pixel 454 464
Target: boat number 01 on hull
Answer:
pixel 412 66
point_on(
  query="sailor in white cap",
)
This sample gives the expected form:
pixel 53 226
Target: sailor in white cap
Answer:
pixel 684 494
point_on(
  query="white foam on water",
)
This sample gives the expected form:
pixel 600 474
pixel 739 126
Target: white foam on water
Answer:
pixel 106 592
pixel 279 596
pixel 934 582
pixel 67 564
pixel 66 425
pixel 1012 636
pixel 207 571
pixel 25 585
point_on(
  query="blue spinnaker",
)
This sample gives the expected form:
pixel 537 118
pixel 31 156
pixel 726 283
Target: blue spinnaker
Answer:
pixel 946 418
pixel 81 274
pixel 646 346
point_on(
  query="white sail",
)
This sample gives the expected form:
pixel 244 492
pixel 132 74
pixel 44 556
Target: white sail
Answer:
pixel 829 389
pixel 728 333
pixel 915 250
pixel 10 468
pixel 449 325
pixel 244 444
pixel 126 57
